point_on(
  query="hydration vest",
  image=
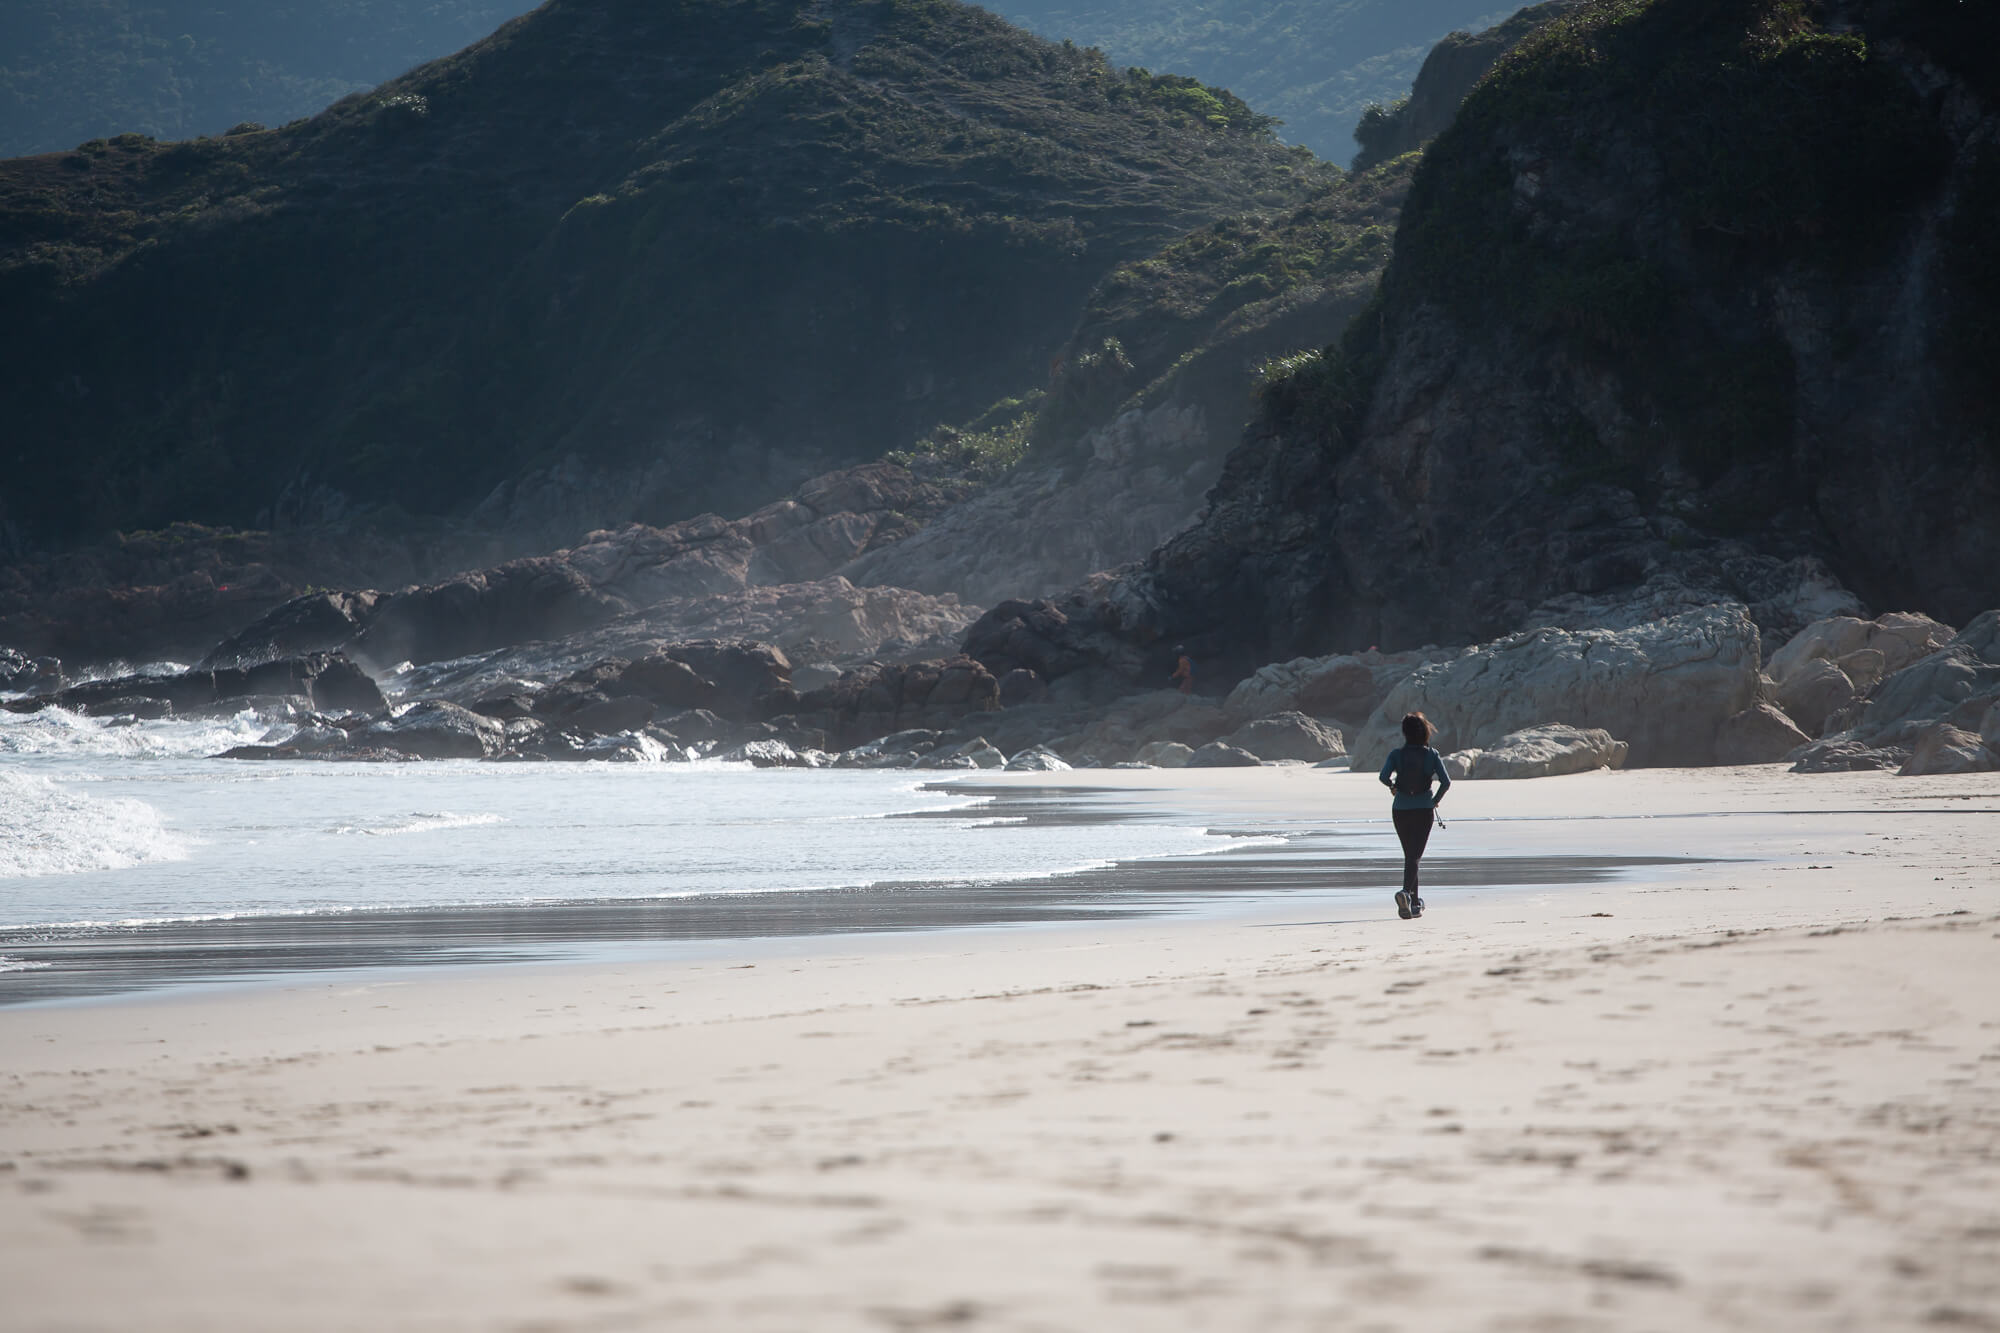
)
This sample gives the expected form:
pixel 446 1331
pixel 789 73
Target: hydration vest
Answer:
pixel 1412 774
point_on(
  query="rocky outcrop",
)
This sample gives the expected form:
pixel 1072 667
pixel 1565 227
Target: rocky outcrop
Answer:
pixel 1665 688
pixel 20 673
pixel 1347 685
pixel 539 598
pixel 1943 748
pixel 1288 736
pixel 327 681
pixel 879 700
pixel 1448 73
pixel 1760 734
pixel 314 623
pixel 1958 686
pixel 434 729
pixel 1540 752
pixel 1215 754
pixel 1830 663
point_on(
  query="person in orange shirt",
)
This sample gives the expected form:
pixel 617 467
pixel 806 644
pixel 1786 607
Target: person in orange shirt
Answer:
pixel 1184 672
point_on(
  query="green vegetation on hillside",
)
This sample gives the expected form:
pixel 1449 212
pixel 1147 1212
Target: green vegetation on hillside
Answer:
pixel 720 243
pixel 1314 64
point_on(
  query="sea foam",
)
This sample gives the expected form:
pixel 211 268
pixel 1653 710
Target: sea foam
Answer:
pixel 46 829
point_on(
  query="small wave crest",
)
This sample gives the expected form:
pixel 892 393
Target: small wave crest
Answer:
pixel 18 964
pixel 46 829
pixel 420 822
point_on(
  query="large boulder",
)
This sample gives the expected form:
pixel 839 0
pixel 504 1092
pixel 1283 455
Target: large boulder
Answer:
pixel 1759 734
pixel 316 622
pixel 1665 687
pixel 434 729
pixel 1816 689
pixel 1943 748
pixel 1164 754
pixel 1907 701
pixel 1217 755
pixel 541 598
pixel 1540 752
pixel 1900 638
pixel 1288 736
pixel 1037 760
pixel 324 680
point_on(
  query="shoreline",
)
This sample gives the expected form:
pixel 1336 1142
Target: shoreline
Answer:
pixel 1739 1094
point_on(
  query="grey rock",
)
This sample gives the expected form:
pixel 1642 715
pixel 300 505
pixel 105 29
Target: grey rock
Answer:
pixel 1037 760
pixel 610 717
pixel 1943 748
pixel 1759 734
pixel 1551 750
pixel 1815 690
pixel 763 754
pixel 1665 688
pixel 1900 637
pixel 1844 754
pixel 1164 754
pixel 1288 736
pixel 1215 754
pixel 1908 701
pixel 434 729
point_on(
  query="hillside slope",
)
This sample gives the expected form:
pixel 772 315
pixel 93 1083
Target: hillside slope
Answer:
pixel 654 258
pixel 1694 299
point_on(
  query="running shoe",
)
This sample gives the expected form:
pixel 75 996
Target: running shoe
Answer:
pixel 1403 904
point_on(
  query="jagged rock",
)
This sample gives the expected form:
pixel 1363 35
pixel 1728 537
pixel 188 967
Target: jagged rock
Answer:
pixel 829 617
pixel 317 622
pixel 506 707
pixel 131 705
pixel 1164 754
pixel 883 698
pixel 1814 691
pixel 1843 754
pixel 1943 748
pixel 1907 701
pixel 1215 754
pixel 609 717
pixel 1288 736
pixel 1082 634
pixel 259 752
pixel 748 676
pixel 325 680
pixel 669 682
pixel 976 753
pixel 1547 751
pixel 544 597
pixel 1901 637
pixel 341 686
pixel 763 754
pixel 1665 687
pixel 1037 760
pixel 1759 734
pixel 314 737
pixel 434 729
pixel 29 675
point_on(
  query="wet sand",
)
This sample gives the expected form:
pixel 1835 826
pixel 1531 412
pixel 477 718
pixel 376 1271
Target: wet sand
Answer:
pixel 1742 1075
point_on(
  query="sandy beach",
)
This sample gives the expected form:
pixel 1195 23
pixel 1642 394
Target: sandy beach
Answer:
pixel 1750 1087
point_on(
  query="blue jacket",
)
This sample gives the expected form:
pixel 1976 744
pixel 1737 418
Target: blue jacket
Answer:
pixel 1433 769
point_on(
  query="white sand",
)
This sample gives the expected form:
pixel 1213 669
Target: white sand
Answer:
pixel 1751 1095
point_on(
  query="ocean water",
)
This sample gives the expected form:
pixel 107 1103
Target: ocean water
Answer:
pixel 107 825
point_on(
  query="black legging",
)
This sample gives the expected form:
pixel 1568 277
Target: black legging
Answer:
pixel 1414 828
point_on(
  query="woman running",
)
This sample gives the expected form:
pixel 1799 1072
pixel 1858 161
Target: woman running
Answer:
pixel 1408 772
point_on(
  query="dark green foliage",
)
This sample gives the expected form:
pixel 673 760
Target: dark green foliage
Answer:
pixel 1314 64
pixel 740 239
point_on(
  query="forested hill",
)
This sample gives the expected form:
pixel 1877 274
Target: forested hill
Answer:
pixel 679 255
pixel 72 70
pixel 1315 64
